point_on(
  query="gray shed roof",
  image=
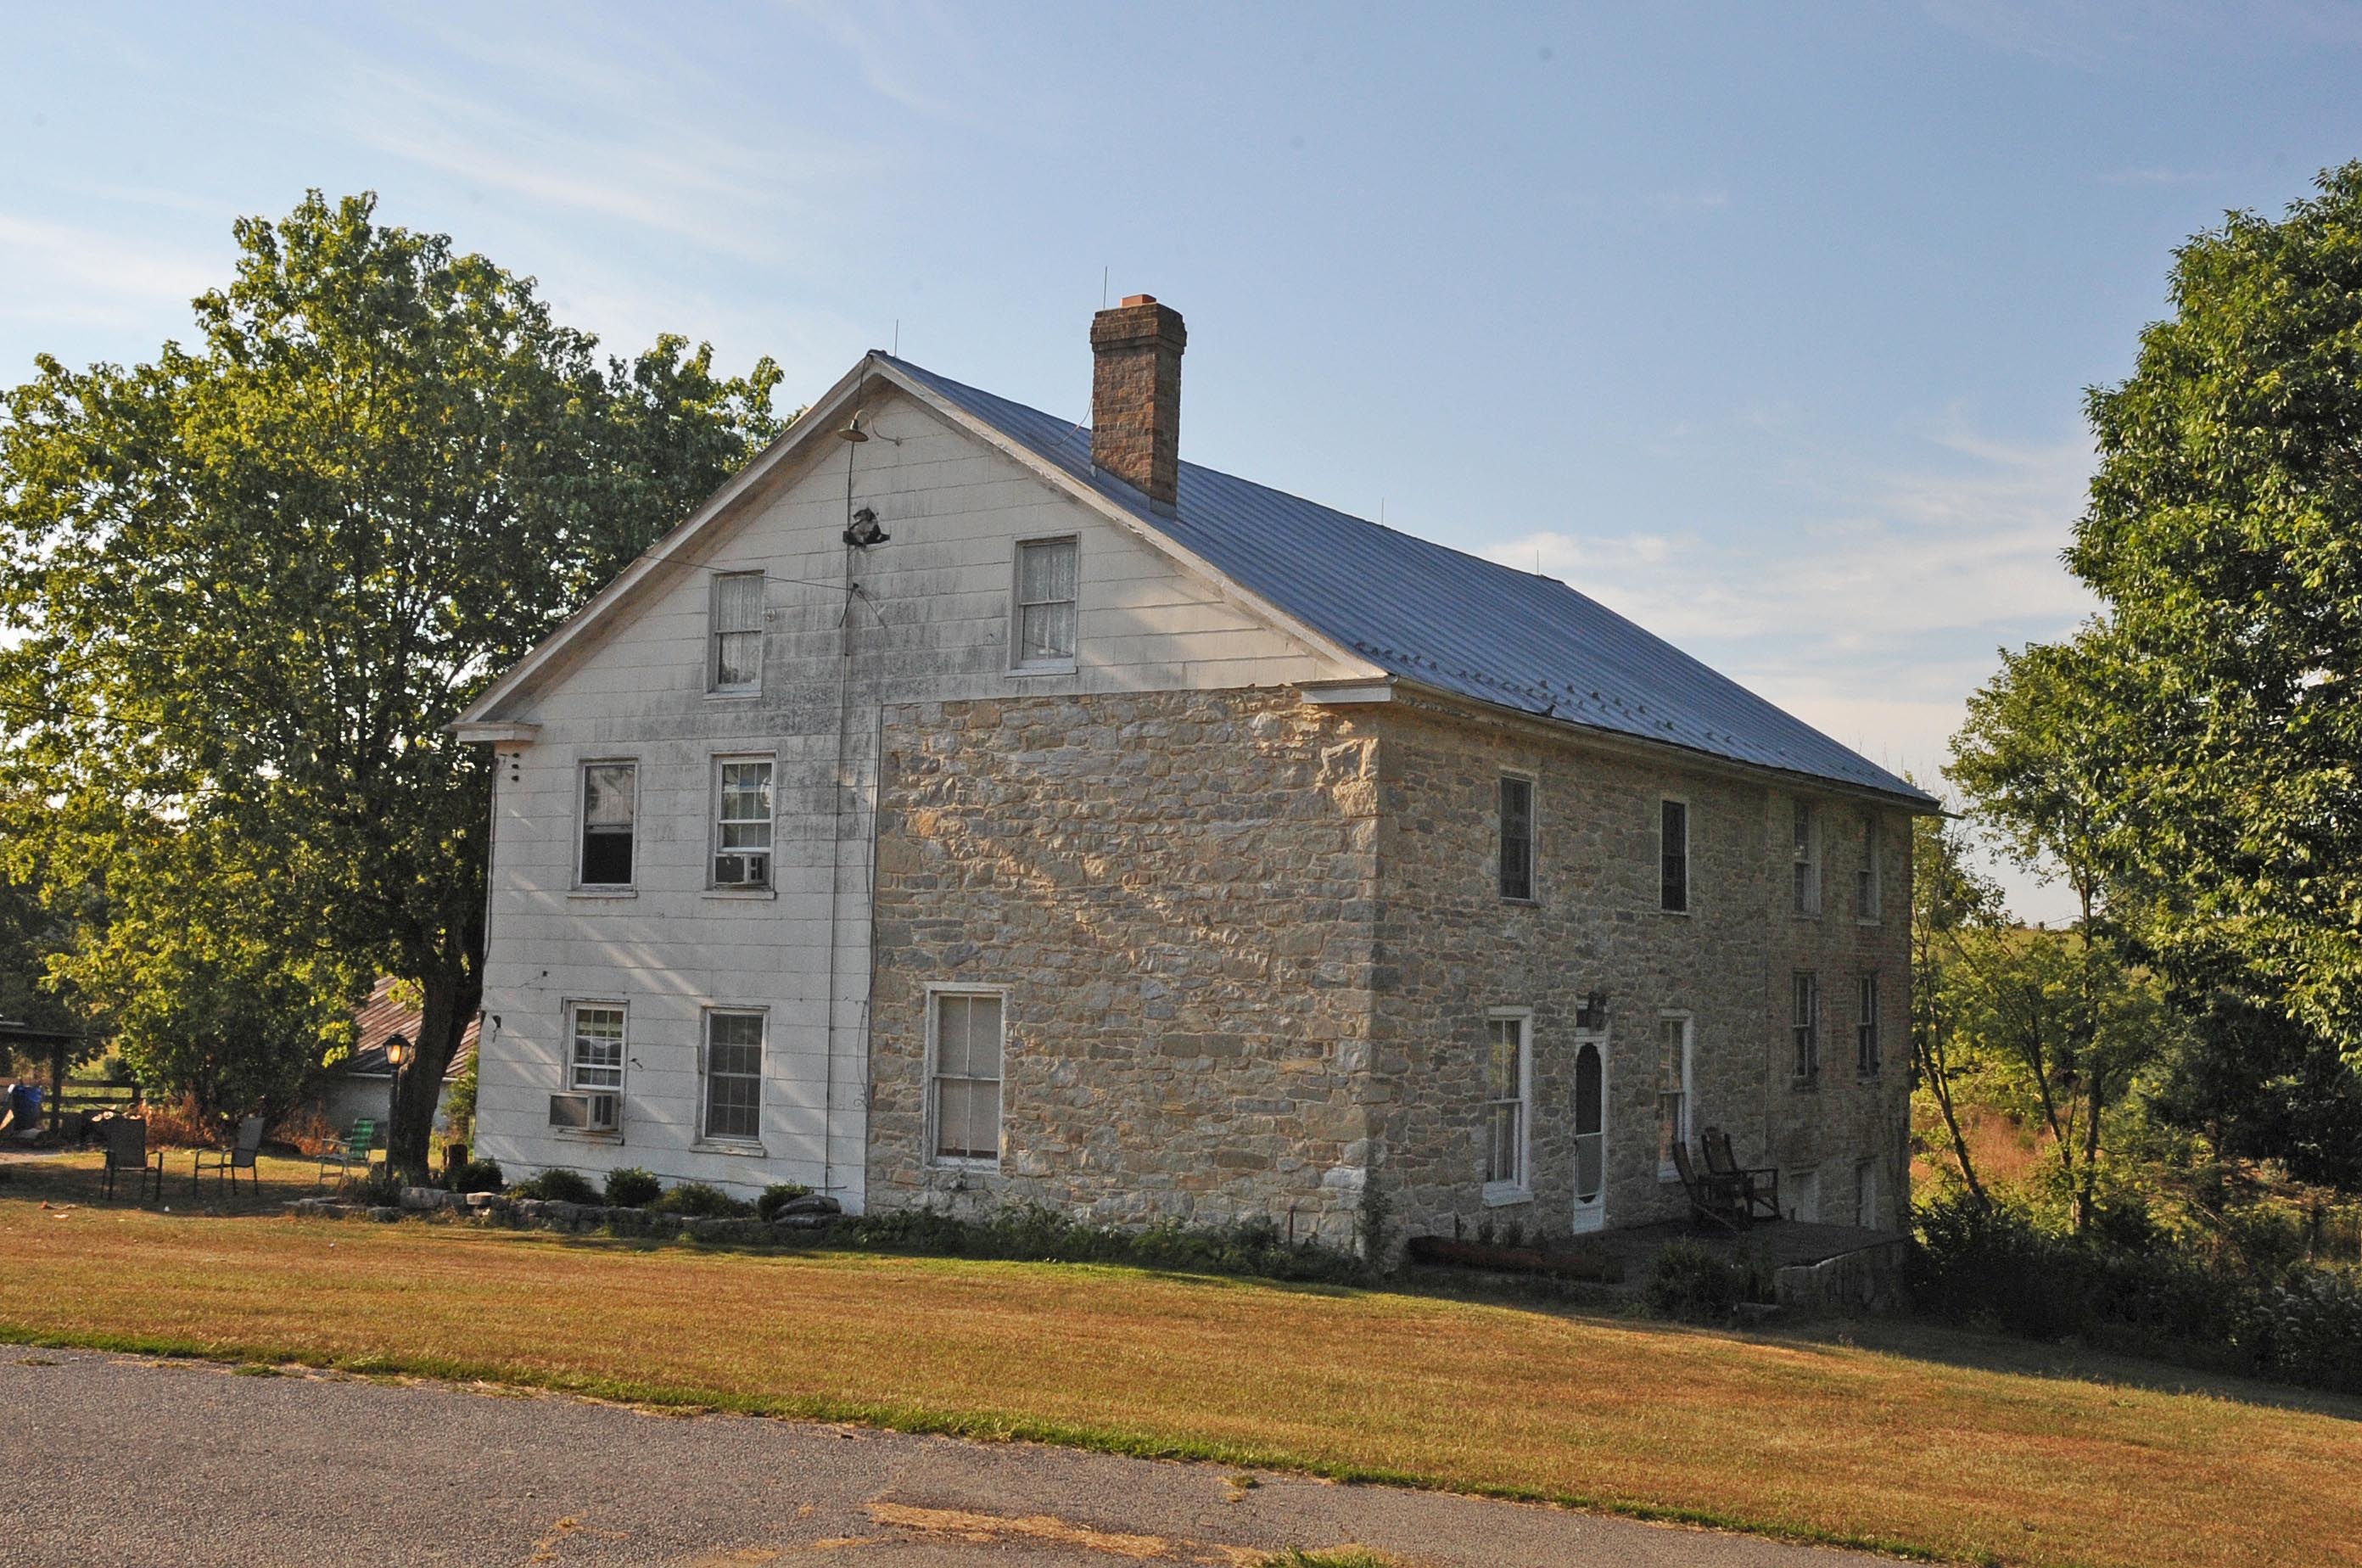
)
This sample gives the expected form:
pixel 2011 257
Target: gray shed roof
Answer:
pixel 1442 618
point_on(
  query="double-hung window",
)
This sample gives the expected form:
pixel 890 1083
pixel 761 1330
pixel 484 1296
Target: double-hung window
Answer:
pixel 742 827
pixel 610 802
pixel 734 1075
pixel 595 1059
pixel 1508 1082
pixel 1674 1069
pixel 1673 855
pixel 737 617
pixel 1516 838
pixel 1048 582
pixel 1868 895
pixel 1806 1025
pixel 1865 1029
pixel 964 1086
pixel 1807 860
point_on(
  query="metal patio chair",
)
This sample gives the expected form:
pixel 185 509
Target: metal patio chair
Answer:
pixel 353 1151
pixel 239 1156
pixel 126 1149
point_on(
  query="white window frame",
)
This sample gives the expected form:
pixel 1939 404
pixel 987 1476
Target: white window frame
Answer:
pixel 1869 1042
pixel 1063 664
pixel 1805 858
pixel 706 1075
pixel 936 993
pixel 1518 1187
pixel 582 823
pixel 714 632
pixel 574 1009
pixel 1869 879
pixel 714 850
pixel 1533 893
pixel 1805 1033
pixel 1685 1127
pixel 1688 838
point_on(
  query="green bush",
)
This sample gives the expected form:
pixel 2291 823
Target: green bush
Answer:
pixel 477 1175
pixel 558 1185
pixel 695 1200
pixel 777 1196
pixel 2308 1330
pixel 1036 1233
pixel 1689 1282
pixel 632 1188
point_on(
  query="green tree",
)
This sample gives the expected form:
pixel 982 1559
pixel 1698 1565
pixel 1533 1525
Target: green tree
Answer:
pixel 1951 906
pixel 2224 536
pixel 255 578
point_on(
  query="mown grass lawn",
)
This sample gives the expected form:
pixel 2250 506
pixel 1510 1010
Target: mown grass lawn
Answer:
pixel 1934 1444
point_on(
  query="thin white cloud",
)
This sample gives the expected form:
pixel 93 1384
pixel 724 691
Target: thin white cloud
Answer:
pixel 75 267
pixel 1690 202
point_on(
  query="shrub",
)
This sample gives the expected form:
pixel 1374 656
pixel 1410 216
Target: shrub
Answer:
pixel 181 1123
pixel 695 1200
pixel 312 1134
pixel 777 1196
pixel 1034 1233
pixel 1983 1263
pixel 1691 1283
pixel 2309 1330
pixel 558 1185
pixel 378 1187
pixel 632 1188
pixel 477 1175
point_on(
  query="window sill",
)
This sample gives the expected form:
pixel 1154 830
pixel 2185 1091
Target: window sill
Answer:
pixel 1021 671
pixel 1804 1086
pixel 1804 914
pixel 1868 920
pixel 1500 1194
pixel 1870 1076
pixel 602 892
pixel 1682 914
pixel 583 1134
pixel 1521 903
pixel 965 1168
pixel 735 1148
pixel 735 694
pixel 1669 1176
pixel 756 894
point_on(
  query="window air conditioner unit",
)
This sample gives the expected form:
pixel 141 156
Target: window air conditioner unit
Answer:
pixel 586 1112
pixel 742 870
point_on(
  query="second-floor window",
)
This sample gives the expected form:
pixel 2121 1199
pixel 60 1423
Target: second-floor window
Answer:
pixel 1806 1025
pixel 1047 584
pixel 1868 895
pixel 741 828
pixel 1517 837
pixel 1673 855
pixel 609 805
pixel 1807 859
pixel 1866 1051
pixel 737 657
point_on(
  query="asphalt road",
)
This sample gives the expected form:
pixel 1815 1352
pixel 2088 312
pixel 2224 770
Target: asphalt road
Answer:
pixel 107 1460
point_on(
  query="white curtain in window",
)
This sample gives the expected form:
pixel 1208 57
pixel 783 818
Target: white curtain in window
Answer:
pixel 1046 580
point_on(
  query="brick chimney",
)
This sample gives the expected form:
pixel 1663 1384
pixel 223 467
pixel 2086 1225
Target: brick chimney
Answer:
pixel 1136 395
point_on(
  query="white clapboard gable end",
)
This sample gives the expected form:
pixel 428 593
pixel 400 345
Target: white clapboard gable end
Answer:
pixel 629 687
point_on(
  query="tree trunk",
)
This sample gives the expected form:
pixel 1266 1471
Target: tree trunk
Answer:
pixel 449 995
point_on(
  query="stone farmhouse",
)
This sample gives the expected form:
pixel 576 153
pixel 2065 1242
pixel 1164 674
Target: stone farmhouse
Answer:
pixel 966 805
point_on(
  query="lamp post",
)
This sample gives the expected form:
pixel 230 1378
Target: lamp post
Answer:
pixel 397 1052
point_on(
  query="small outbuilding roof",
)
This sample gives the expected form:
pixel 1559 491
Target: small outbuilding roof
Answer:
pixel 1442 618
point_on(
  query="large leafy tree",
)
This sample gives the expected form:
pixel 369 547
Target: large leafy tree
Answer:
pixel 255 579
pixel 2224 536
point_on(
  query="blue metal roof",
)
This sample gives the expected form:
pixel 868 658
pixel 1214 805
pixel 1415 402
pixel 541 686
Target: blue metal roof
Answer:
pixel 1442 618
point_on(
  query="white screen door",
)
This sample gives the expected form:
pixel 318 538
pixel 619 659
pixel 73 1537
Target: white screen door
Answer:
pixel 1590 1135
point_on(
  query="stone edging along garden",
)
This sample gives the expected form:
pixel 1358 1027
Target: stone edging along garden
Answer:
pixel 797 1220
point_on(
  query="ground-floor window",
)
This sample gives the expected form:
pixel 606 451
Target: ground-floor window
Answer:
pixel 1865 1194
pixel 734 1075
pixel 965 1074
pixel 1674 1091
pixel 1508 1080
pixel 595 1060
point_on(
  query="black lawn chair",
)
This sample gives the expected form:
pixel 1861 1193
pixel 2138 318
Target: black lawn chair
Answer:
pixel 1759 1184
pixel 239 1156
pixel 126 1149
pixel 1715 1199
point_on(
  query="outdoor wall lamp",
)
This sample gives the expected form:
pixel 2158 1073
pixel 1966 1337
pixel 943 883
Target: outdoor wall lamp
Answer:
pixel 1591 1011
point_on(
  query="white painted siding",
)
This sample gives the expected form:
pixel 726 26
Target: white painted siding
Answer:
pixel 931 624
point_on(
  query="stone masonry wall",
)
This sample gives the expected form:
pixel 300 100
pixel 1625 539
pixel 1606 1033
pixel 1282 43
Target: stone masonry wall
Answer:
pixel 1178 892
pixel 1451 949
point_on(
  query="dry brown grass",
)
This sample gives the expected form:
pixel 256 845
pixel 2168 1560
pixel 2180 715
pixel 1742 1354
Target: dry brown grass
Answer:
pixel 1926 1449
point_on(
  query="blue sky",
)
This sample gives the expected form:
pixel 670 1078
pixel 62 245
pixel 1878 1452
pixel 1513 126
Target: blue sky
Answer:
pixel 1768 326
